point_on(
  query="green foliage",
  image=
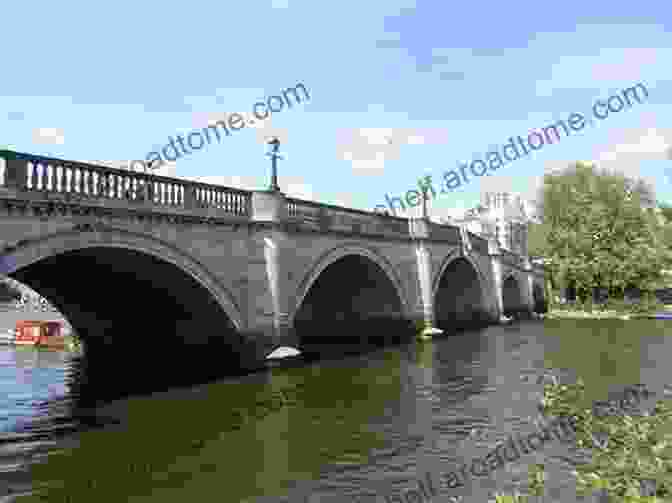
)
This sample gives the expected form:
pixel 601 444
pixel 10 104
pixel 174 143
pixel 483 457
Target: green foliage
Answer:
pixel 598 233
pixel 665 229
pixel 638 447
pixel 666 211
pixel 537 236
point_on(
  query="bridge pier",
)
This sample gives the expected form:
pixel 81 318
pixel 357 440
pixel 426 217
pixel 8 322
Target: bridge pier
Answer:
pixel 268 292
pixel 495 254
pixel 529 276
pixel 420 232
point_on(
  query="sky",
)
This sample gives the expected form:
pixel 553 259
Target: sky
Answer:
pixel 398 90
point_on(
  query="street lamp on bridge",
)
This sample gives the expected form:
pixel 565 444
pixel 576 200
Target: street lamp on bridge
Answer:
pixel 274 168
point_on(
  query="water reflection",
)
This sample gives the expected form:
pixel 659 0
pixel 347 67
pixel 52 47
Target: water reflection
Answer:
pixel 357 425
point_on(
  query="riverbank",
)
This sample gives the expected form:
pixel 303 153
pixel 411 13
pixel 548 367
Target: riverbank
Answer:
pixel 599 314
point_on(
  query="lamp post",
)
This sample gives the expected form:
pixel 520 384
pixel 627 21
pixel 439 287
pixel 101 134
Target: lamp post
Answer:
pixel 425 191
pixel 274 168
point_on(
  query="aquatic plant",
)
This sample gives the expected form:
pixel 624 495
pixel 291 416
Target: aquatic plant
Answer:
pixel 635 451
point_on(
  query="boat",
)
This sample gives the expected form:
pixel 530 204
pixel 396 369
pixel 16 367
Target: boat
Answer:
pixel 659 316
pixel 40 334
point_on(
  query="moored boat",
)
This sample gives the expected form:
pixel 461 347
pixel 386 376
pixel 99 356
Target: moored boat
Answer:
pixel 40 334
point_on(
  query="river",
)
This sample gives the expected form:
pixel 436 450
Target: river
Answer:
pixel 355 426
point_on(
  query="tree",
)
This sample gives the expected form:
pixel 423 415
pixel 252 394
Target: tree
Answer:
pixel 599 234
pixel 536 239
pixel 666 211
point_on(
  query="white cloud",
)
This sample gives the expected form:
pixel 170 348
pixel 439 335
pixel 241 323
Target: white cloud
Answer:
pixel 48 136
pixel 368 148
pixel 626 64
pixel 625 153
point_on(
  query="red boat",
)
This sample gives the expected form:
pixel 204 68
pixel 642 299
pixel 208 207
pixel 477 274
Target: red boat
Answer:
pixel 40 333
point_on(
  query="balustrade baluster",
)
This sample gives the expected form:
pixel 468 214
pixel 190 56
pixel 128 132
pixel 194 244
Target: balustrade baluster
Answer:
pixel 53 178
pixel 45 174
pixel 33 176
pixel 89 183
pixel 103 182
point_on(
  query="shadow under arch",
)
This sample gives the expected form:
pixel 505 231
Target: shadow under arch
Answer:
pixel 63 242
pixel 350 295
pixel 148 314
pixel 539 297
pixel 459 294
pixel 513 301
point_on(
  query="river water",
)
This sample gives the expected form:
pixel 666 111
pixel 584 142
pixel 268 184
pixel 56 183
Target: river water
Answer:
pixel 334 430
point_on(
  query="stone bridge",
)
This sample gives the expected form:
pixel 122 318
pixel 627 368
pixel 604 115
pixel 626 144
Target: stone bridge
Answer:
pixel 138 260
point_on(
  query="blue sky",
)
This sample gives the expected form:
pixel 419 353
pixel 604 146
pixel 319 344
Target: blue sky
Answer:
pixel 399 90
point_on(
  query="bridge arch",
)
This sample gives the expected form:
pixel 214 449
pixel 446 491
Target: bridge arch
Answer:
pixel 34 251
pixel 134 299
pixel 459 291
pixel 358 256
pixel 513 297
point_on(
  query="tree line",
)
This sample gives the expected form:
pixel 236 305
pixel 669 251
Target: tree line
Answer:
pixel 601 233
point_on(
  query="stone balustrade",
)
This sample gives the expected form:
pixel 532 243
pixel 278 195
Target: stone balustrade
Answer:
pixel 84 181
pixel 22 173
